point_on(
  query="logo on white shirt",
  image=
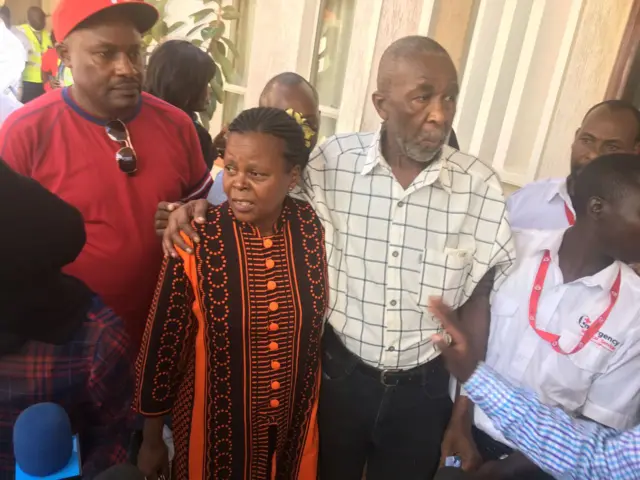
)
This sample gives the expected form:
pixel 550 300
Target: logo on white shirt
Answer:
pixel 601 339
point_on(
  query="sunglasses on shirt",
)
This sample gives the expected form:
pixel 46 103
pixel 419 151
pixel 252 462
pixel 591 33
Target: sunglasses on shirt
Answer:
pixel 126 156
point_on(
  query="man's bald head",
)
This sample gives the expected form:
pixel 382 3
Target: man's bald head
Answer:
pixel 37 18
pixel 409 49
pixel 416 97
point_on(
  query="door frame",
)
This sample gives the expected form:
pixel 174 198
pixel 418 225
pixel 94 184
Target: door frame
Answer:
pixel 626 55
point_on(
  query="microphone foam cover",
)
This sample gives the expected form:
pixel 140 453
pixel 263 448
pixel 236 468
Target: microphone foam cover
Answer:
pixel 42 439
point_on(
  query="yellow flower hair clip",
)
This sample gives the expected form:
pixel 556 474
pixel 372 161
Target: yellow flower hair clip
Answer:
pixel 307 131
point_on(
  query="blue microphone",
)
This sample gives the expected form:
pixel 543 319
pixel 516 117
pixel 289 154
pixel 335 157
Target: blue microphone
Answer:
pixel 44 445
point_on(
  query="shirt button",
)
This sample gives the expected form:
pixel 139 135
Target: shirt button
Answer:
pixel 393 303
pixel 401 203
pixel 269 264
pixel 275 365
pixel 391 349
pixel 275 385
pixel 275 403
pixel 268 243
pixel 273 306
pixel 395 253
pixel 274 327
pixel 273 346
pixel 271 285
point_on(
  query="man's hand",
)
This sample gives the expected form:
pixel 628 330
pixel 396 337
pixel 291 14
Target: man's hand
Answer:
pixel 55 83
pixel 458 352
pixel 162 216
pixel 458 441
pixel 180 222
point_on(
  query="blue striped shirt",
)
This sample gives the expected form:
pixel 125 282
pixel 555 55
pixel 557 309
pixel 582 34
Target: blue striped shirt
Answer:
pixel 563 446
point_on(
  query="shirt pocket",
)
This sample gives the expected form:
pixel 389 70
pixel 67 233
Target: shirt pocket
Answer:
pixel 444 275
pixel 592 358
pixel 567 379
pixel 505 326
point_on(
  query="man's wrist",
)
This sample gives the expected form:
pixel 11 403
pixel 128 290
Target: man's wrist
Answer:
pixel 461 417
pixel 473 380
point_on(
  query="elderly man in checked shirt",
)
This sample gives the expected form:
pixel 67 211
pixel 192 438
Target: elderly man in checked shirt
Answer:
pixel 406 218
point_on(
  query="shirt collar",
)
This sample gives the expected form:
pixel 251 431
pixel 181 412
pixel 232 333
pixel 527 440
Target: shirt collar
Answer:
pixel 561 192
pixel 68 98
pixel 552 240
pixel 435 171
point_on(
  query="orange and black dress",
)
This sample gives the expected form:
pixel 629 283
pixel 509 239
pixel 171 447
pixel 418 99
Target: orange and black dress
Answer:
pixel 232 349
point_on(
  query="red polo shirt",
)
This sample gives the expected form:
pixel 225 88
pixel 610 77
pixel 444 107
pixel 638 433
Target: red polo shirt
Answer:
pixel 68 151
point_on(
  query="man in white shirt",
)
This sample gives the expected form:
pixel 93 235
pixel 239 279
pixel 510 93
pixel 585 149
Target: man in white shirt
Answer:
pixel 406 218
pixel 566 322
pixel 12 61
pixel 612 126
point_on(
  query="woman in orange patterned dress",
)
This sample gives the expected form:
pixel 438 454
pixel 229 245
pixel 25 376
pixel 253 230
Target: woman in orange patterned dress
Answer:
pixel 231 348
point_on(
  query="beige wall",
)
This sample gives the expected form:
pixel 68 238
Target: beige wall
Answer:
pixel 594 52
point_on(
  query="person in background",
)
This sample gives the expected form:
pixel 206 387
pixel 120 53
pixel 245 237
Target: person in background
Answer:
pixel 5 16
pixel 179 73
pixel 287 91
pixel 12 61
pixel 574 307
pixel 39 43
pixel 55 74
pixel 109 150
pixel 406 217
pixel 607 201
pixel 612 126
pixel 58 341
pixel 232 346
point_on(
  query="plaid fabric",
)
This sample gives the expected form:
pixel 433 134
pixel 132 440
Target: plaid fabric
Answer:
pixel 390 249
pixel 561 445
pixel 91 377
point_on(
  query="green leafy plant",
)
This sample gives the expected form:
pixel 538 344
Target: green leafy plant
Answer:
pixel 207 33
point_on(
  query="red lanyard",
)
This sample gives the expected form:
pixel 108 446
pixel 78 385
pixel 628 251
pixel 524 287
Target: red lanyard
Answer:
pixel 571 217
pixel 589 332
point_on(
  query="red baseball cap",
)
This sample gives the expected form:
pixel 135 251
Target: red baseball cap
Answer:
pixel 71 13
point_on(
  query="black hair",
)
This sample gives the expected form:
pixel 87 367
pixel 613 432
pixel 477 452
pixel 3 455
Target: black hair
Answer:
pixel 290 79
pixel 178 72
pixel 609 177
pixel 618 106
pixel 5 15
pixel 406 48
pixel 276 122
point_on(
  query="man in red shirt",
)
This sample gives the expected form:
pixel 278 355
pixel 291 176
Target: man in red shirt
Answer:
pixel 109 150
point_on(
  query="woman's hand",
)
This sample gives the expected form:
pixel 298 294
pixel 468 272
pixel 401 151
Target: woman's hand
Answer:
pixel 153 459
pixel 179 221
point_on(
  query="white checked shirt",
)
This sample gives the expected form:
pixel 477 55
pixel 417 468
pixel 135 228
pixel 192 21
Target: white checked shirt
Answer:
pixel 390 249
pixel 540 205
pixel 600 381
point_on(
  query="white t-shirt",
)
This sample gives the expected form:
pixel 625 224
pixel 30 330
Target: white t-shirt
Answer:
pixel 8 104
pixel 600 381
